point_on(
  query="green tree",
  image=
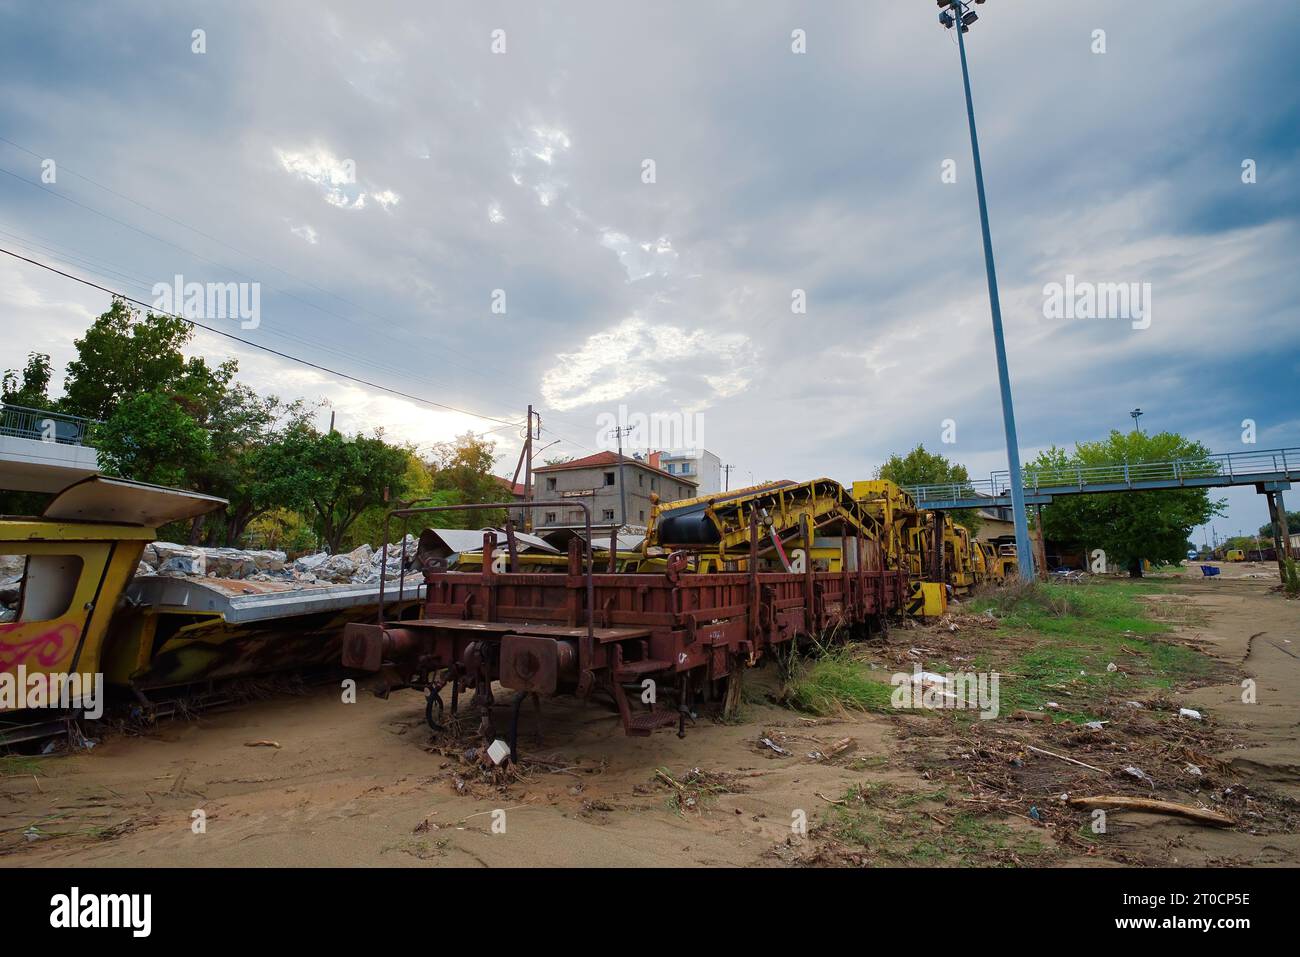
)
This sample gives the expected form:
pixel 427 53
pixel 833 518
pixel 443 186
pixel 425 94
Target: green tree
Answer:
pixel 1292 526
pixel 333 478
pixel 150 438
pixel 123 354
pixel 919 467
pixel 1128 526
pixel 464 470
pixel 30 387
pixel 416 489
pixel 241 426
pixel 281 528
pixel 27 387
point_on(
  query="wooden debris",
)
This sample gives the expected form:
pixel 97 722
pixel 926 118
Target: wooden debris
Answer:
pixel 841 746
pixel 668 779
pixel 1153 806
pixel 1020 714
pixel 262 744
pixel 1062 757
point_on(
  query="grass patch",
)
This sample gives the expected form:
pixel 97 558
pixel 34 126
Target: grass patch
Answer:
pixel 1079 631
pixel 834 681
pixel 15 765
pixel 888 824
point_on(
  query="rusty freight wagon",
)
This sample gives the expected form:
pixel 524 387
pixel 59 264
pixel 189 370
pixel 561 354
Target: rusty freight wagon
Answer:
pixel 654 643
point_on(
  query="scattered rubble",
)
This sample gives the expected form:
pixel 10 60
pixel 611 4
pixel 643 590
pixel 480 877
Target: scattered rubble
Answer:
pixel 361 566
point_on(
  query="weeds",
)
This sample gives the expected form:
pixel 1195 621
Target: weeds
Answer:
pixel 1079 633
pixel 884 824
pixel 832 681
pixel 15 765
pixel 696 788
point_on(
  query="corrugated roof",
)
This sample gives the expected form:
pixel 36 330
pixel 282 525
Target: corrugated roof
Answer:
pixel 455 541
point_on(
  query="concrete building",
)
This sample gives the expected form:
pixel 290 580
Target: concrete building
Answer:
pixel 701 465
pixel 594 481
pixel 995 523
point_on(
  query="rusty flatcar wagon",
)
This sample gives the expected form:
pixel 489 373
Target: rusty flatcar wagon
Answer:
pixel 656 643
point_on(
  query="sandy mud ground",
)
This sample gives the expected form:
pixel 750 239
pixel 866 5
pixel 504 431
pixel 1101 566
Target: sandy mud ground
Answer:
pixel 367 784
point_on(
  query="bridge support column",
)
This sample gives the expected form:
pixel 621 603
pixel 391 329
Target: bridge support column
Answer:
pixel 1281 534
pixel 1041 543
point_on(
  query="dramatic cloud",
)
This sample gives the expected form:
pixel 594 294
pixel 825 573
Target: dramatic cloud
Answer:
pixel 480 228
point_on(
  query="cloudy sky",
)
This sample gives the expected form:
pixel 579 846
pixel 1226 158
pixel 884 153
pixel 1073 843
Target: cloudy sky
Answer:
pixel 452 200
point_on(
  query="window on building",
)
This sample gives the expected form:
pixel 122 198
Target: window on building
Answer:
pixel 654 483
pixel 607 515
pixel 671 468
pixel 550 484
pixel 640 480
pixel 609 478
pixel 643 515
pixel 550 518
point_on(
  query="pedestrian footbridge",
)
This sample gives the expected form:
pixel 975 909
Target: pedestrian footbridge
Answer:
pixel 1269 471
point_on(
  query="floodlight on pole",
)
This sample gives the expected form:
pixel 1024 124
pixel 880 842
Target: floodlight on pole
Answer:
pixel 960 12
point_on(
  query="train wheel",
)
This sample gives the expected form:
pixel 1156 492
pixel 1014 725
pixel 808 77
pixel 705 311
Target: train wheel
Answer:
pixel 435 700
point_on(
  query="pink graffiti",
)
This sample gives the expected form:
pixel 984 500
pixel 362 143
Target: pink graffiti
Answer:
pixel 47 647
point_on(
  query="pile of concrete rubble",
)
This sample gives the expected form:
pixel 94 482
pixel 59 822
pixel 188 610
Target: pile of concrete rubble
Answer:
pixel 361 566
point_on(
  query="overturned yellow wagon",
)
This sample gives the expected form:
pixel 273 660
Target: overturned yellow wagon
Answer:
pixel 80 610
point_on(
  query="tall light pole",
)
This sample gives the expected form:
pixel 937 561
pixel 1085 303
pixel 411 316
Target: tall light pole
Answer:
pixel 958 14
pixel 1135 415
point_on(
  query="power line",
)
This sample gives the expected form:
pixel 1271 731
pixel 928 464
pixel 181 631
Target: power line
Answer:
pixel 89 262
pixel 213 262
pixel 254 345
pixel 473 368
pixel 102 268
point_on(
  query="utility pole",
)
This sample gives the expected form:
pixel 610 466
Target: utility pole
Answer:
pixel 528 468
pixel 726 482
pixel 960 16
pixel 618 433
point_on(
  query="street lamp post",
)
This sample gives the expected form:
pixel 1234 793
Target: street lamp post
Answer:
pixel 1135 415
pixel 960 16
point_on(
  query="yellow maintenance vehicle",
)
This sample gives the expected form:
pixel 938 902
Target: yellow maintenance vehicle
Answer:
pixel 798 525
pixel 779 526
pixel 907 537
pixel 75 562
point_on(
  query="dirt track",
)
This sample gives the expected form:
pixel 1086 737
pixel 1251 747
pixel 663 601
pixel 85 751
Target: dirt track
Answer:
pixel 357 784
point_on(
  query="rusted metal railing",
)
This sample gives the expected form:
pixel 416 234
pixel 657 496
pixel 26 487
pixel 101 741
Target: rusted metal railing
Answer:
pixel 408 512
